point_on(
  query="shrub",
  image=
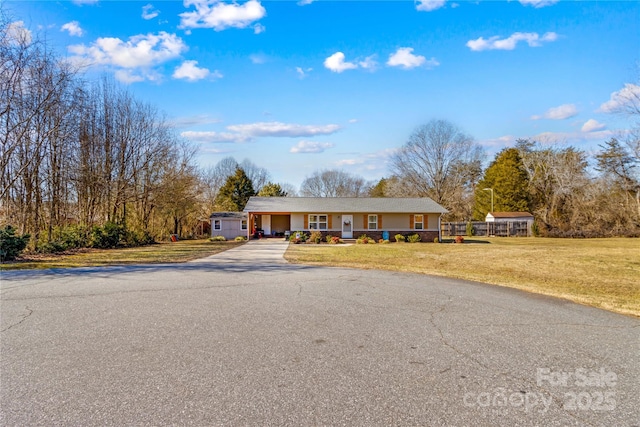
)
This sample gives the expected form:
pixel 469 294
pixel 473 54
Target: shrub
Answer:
pixel 10 244
pixel 335 240
pixel 399 238
pixel 219 239
pixel 316 237
pixel 240 239
pixel 328 238
pixel 107 236
pixel 63 238
pixel 384 241
pixel 137 238
pixel 51 247
pixel 414 238
pixel 436 240
pixel 298 236
pixel 364 239
pixel 459 239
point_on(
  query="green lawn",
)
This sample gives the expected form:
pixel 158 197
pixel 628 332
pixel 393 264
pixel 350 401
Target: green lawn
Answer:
pixel 603 273
pixel 184 250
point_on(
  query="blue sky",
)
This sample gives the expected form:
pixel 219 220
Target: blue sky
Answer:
pixel 301 86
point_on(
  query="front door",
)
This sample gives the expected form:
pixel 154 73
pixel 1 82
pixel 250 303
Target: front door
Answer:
pixel 347 226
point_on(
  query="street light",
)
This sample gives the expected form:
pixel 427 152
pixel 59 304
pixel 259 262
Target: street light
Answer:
pixel 490 189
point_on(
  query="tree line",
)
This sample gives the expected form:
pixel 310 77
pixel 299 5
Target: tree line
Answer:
pixel 85 163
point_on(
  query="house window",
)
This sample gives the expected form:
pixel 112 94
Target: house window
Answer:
pixel 373 222
pixel 217 224
pixel 318 222
pixel 244 224
pixel 418 222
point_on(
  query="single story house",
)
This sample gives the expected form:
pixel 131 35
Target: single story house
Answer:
pixel 345 217
pixel 508 217
pixel 229 224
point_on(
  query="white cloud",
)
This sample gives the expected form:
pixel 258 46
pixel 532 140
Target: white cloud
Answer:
pixel 573 137
pixel 213 137
pixel 592 125
pixel 189 70
pixel 337 64
pixel 538 3
pixel 310 147
pixel 278 129
pixel 149 12
pixel 220 16
pixel 502 141
pixel 376 161
pixel 561 112
pixel 125 76
pixel 349 162
pixel 18 33
pixel 132 76
pixel 510 43
pixel 198 120
pixel 259 28
pixel 628 96
pixel 73 28
pixel 353 120
pixel 303 72
pixel 83 2
pixel 139 51
pixel 304 2
pixel 404 58
pixel 258 58
pixel 369 63
pixel 429 5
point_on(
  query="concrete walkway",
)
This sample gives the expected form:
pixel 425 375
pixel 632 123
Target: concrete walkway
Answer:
pixel 256 252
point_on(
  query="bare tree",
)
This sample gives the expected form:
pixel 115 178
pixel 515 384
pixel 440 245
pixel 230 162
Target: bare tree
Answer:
pixel 258 176
pixel 334 183
pixel 438 161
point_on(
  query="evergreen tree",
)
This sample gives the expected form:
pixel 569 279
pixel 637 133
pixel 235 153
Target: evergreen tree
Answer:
pixel 508 179
pixel 380 189
pixel 235 192
pixel 272 190
pixel 615 160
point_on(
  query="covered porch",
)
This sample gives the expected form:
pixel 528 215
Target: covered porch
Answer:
pixel 276 224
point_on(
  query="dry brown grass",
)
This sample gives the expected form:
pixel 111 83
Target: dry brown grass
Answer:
pixel 603 273
pixel 184 250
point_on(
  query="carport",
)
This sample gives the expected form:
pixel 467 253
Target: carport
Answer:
pixel 270 224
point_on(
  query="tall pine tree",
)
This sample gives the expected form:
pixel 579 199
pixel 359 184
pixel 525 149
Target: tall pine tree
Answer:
pixel 235 192
pixel 509 181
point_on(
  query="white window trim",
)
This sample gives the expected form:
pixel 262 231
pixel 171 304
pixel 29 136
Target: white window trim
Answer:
pixel 369 222
pixel 217 224
pixel 319 223
pixel 416 222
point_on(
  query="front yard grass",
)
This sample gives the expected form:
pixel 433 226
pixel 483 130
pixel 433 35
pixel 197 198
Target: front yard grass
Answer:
pixel 170 252
pixel 603 273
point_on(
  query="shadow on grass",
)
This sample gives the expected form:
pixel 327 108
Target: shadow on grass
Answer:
pixel 466 240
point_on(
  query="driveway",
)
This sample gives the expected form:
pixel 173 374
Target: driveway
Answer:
pixel 244 338
pixel 257 252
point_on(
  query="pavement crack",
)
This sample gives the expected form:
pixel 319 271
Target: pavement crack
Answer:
pixel 444 341
pixel 22 319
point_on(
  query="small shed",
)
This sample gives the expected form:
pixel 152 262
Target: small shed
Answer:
pixel 509 217
pixel 229 224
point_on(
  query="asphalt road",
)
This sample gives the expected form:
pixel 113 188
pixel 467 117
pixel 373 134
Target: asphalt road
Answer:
pixel 243 338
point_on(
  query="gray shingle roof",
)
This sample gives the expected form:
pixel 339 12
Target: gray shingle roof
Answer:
pixel 343 204
pixel 231 215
